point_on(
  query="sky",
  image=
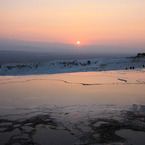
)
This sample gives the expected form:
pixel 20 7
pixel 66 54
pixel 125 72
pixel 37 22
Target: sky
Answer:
pixel 115 25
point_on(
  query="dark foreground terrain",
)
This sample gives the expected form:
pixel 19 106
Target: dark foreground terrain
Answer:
pixel 70 125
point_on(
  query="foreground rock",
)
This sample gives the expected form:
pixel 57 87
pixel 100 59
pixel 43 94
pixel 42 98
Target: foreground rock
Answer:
pixel 64 126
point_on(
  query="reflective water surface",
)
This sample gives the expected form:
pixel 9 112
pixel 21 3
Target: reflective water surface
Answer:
pixel 112 87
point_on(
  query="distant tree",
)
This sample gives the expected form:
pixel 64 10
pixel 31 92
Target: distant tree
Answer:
pixel 89 62
pixel 36 65
pixel 9 67
pixel 138 55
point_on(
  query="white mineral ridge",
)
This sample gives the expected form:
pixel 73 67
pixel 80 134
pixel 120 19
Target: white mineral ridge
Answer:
pixel 67 66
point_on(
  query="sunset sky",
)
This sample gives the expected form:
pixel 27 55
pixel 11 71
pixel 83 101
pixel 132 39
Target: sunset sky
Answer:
pixel 92 22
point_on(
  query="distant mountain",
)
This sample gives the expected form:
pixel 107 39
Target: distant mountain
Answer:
pixel 25 56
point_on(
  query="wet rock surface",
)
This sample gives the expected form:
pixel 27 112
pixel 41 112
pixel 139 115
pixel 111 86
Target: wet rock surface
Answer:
pixel 74 125
pixel 133 137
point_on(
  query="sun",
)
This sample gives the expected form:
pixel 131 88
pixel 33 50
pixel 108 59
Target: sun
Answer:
pixel 78 42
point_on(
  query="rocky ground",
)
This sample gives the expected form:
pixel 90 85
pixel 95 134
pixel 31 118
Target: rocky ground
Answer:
pixel 75 125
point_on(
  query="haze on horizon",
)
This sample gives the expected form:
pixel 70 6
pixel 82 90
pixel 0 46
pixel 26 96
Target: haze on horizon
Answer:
pixel 102 26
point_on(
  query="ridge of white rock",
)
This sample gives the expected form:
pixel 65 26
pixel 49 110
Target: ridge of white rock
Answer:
pixel 68 66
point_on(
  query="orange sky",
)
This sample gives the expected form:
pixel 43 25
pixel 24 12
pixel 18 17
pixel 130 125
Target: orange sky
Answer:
pixel 106 22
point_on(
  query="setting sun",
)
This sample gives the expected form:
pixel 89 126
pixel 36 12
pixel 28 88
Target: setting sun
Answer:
pixel 78 42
